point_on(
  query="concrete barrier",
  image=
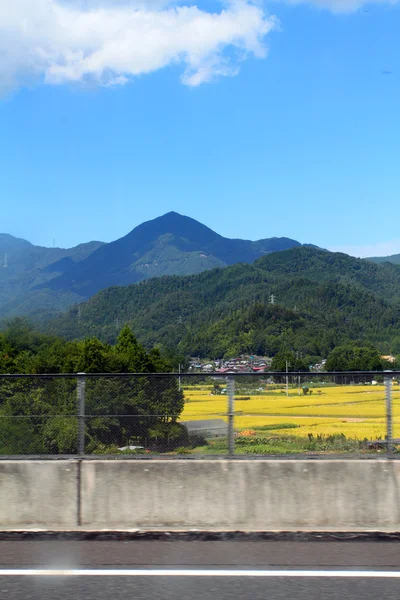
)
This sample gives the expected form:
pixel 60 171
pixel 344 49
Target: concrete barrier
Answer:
pixel 38 494
pixel 249 495
pixel 242 495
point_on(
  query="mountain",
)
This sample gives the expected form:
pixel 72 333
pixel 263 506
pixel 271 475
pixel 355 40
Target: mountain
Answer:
pixel 169 245
pixel 320 300
pixel 394 258
pixel 39 282
pixel 24 266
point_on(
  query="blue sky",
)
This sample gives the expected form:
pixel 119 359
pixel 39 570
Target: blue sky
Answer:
pixel 275 119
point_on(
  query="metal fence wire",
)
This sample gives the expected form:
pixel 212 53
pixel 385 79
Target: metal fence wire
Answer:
pixel 231 414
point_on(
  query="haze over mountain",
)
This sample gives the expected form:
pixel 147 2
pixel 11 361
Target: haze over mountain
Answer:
pixel 52 279
pixel 393 258
pixel 24 266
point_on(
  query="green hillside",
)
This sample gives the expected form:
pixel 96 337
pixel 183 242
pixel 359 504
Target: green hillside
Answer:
pixel 320 301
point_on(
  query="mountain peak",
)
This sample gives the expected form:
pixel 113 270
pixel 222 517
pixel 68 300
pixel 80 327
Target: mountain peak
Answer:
pixel 173 217
pixel 173 223
pixel 171 244
pixel 172 213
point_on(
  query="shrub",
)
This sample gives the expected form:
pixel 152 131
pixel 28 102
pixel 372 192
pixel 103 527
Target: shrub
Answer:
pixel 183 450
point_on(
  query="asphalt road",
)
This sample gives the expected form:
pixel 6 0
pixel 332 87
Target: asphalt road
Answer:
pixel 327 564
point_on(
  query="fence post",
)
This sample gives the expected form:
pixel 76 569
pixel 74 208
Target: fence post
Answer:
pixel 231 415
pixel 389 415
pixel 81 385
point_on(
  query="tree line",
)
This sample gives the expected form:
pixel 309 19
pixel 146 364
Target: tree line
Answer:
pixel 39 415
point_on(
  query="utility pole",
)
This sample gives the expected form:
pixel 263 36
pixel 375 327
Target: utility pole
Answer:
pixel 81 385
pixel 389 414
pixel 179 378
pixel 287 378
pixel 230 386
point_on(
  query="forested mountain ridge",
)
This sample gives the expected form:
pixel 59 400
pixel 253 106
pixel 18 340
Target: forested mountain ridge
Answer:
pixel 51 279
pixel 169 245
pixel 383 280
pixel 24 266
pixel 302 298
pixel 41 282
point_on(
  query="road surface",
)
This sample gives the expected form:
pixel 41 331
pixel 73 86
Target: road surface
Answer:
pixel 194 570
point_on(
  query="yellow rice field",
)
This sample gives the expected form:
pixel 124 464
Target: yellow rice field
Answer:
pixel 357 411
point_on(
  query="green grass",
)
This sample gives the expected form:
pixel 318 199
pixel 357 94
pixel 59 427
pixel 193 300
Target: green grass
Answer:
pixel 335 444
pixel 277 426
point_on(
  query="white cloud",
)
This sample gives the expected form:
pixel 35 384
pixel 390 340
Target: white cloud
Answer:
pixel 108 42
pixel 369 250
pixel 143 4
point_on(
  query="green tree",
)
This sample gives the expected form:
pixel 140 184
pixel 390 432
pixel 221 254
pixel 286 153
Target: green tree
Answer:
pixel 294 362
pixel 132 355
pixel 93 357
pixel 352 357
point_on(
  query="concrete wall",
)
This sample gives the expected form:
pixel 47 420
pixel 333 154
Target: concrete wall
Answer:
pixel 187 494
pixel 38 494
pixel 248 495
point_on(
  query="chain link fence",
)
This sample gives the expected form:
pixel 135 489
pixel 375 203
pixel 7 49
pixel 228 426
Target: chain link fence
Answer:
pixel 231 414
